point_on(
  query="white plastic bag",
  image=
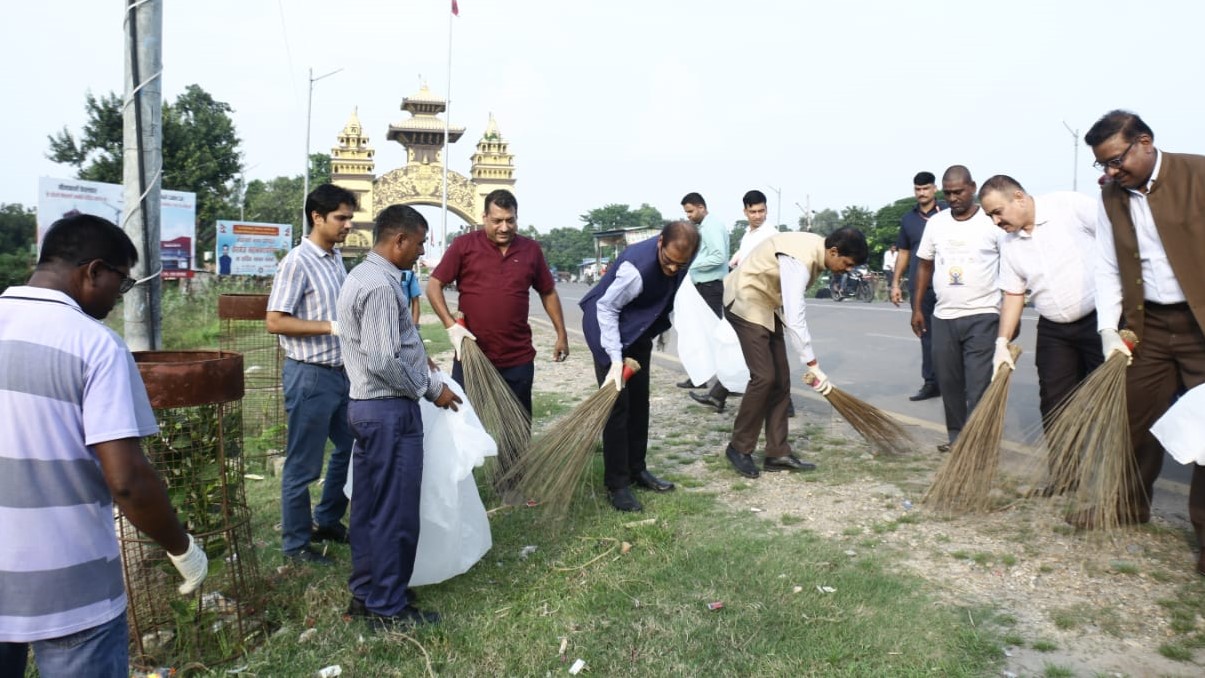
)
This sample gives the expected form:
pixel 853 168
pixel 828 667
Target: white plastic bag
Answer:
pixel 731 369
pixel 694 322
pixel 454 531
pixel 1181 429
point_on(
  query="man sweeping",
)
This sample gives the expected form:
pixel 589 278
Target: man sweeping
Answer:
pixel 621 316
pixel 1150 241
pixel 1049 248
pixel 763 299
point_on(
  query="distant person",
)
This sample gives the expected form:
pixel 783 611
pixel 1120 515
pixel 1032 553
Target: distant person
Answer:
pixel 764 301
pixel 411 289
pixel 389 371
pixel 72 410
pixel 912 229
pixel 224 261
pixel 707 272
pixel 960 256
pixel 620 317
pixel 1151 237
pixel 494 270
pixel 756 233
pixel 889 258
pixel 1049 249
pixel 301 310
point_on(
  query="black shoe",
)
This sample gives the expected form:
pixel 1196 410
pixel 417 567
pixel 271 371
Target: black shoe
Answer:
pixel 336 533
pixel 707 400
pixel 790 410
pixel 927 391
pixel 651 482
pixel 357 609
pixel 306 555
pixel 788 463
pixel 944 447
pixel 743 463
pixel 409 617
pixel 623 500
pixel 687 383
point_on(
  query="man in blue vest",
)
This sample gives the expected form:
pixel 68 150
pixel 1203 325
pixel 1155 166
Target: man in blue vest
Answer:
pixel 620 317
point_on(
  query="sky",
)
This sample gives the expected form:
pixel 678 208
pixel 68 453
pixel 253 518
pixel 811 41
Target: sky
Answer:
pixel 618 101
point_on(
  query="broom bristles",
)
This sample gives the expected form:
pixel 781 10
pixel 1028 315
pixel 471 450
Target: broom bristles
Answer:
pixel 884 433
pixel 501 414
pixel 1091 452
pixel 963 482
pixel 552 470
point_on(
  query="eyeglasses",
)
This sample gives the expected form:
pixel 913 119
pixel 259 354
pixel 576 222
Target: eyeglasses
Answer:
pixel 1115 163
pixel 127 283
pixel 663 257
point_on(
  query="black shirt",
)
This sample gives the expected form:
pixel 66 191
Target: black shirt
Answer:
pixel 912 229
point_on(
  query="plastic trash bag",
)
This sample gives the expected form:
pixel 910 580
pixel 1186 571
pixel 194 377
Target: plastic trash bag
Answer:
pixel 454 531
pixel 1181 429
pixel 707 346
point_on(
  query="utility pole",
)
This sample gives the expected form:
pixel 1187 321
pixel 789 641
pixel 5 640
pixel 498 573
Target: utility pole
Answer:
pixel 807 214
pixel 1074 167
pixel 142 164
pixel 305 184
pixel 778 216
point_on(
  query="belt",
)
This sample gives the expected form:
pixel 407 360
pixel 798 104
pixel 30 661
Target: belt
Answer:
pixel 1155 306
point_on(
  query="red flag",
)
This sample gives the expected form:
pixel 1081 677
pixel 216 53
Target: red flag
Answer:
pixel 455 8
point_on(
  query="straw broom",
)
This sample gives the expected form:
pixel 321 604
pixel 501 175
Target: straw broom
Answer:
pixel 1091 452
pixel 501 414
pixel 552 469
pixel 964 480
pixel 884 433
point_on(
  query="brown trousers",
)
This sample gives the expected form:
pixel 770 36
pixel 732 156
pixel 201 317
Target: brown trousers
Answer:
pixel 1170 357
pixel 768 392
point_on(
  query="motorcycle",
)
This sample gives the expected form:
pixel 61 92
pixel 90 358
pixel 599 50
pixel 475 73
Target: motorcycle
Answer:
pixel 855 284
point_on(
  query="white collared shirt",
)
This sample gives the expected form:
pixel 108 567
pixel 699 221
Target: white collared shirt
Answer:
pixel 1159 282
pixel 1057 259
pixel 750 239
pixel 966 263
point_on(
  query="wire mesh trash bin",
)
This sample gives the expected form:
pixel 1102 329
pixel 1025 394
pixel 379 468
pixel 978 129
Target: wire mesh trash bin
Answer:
pixel 242 331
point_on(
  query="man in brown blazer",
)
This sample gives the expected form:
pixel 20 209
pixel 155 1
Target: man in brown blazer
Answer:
pixel 763 300
pixel 1151 237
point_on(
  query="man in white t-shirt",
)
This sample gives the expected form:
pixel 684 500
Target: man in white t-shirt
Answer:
pixel 889 258
pixel 960 255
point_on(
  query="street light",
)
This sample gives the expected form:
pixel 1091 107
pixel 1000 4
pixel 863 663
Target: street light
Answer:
pixel 305 185
pixel 807 215
pixel 1075 167
pixel 778 217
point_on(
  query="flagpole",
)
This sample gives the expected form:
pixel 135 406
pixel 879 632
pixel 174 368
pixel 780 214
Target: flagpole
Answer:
pixel 443 230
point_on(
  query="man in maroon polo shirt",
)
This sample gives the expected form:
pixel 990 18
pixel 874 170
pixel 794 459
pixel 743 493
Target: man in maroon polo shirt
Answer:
pixel 493 269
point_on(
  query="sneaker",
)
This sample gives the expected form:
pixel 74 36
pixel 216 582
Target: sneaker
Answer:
pixel 336 533
pixel 306 555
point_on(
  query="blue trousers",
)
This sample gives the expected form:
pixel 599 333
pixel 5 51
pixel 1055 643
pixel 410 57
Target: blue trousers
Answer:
pixel 387 478
pixel 927 304
pixel 316 403
pixel 102 651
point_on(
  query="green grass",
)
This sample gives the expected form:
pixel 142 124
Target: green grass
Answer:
pixel 1053 671
pixel 1045 646
pixel 1176 652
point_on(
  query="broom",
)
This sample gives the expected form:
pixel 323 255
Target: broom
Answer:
pixel 1090 448
pixel 964 480
pixel 884 433
pixel 552 469
pixel 501 414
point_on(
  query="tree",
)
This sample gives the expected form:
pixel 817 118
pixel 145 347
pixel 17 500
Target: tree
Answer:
pixel 200 151
pixel 734 236
pixel 564 248
pixel 280 200
pixel 615 217
pixel 887 227
pixel 824 222
pixel 18 232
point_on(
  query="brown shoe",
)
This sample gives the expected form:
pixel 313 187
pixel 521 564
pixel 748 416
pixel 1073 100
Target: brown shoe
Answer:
pixel 1090 519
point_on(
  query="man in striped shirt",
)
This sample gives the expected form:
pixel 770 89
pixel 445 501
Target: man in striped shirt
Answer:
pixel 72 408
pixel 389 372
pixel 301 310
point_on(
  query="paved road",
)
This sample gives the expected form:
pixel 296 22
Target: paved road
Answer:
pixel 869 350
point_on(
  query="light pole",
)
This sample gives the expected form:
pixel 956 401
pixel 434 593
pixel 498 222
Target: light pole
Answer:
pixel 305 184
pixel 807 214
pixel 1075 167
pixel 777 217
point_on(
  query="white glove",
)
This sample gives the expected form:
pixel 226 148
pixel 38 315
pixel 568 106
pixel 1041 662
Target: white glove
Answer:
pixel 1111 342
pixel 334 328
pixel 614 375
pixel 818 380
pixel 192 565
pixel 457 333
pixel 1002 357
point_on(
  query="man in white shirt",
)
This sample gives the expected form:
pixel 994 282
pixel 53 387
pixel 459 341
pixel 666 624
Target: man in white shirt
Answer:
pixel 960 255
pixel 1049 248
pixel 889 258
pixel 1150 240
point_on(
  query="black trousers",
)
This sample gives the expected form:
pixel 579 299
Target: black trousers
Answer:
pixel 927 303
pixel 1066 353
pixel 962 356
pixel 626 434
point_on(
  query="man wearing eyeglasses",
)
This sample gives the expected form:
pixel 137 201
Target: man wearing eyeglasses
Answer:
pixel 620 317
pixel 1149 274
pixel 72 410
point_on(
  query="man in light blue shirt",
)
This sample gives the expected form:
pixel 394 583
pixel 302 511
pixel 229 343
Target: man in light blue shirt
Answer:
pixel 707 272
